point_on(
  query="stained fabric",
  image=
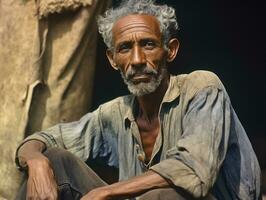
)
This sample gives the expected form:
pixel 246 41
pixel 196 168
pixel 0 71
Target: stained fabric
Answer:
pixel 46 71
pixel 202 146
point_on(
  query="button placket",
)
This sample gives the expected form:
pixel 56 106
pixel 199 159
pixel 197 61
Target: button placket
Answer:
pixel 141 157
pixel 138 146
pixel 158 142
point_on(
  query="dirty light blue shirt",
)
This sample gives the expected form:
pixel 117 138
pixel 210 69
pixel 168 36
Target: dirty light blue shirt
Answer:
pixel 202 146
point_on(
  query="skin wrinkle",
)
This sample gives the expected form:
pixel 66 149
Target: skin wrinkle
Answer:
pixel 148 36
pixel 140 65
pixel 132 21
pixel 130 26
pixel 135 25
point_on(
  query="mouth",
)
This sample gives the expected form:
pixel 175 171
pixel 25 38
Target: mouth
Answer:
pixel 138 78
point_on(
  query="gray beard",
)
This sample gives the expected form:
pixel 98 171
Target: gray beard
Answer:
pixel 143 88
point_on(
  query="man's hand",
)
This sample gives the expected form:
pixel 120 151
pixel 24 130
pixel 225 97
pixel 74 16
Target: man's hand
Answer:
pixel 97 194
pixel 41 182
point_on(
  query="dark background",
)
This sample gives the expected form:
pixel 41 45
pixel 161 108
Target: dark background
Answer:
pixel 226 37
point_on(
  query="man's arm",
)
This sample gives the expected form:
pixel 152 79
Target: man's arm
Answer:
pixel 41 182
pixel 70 136
pixel 29 151
pixel 194 163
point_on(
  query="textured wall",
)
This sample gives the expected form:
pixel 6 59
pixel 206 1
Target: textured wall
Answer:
pixel 46 73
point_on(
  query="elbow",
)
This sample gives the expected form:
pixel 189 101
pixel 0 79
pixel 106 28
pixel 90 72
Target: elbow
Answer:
pixel 195 187
pixel 201 190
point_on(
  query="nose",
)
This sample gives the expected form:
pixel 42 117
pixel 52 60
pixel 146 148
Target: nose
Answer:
pixel 138 57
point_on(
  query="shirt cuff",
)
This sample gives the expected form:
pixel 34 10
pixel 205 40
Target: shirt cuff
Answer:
pixel 42 137
pixel 180 175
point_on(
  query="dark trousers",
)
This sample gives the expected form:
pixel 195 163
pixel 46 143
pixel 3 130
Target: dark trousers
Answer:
pixel 75 179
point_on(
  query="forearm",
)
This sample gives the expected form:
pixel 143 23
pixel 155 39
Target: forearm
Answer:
pixel 136 186
pixel 41 183
pixel 30 150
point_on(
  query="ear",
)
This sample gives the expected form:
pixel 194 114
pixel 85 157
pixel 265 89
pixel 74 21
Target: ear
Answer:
pixel 173 46
pixel 110 56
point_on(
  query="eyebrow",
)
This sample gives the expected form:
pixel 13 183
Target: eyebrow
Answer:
pixel 130 41
pixel 124 42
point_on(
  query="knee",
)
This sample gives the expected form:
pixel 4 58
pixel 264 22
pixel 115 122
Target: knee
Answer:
pixel 153 194
pixel 56 154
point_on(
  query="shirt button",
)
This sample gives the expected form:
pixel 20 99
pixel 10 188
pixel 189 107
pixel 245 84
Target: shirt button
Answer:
pixel 141 157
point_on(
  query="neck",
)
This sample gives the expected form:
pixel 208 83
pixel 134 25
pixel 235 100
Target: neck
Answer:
pixel 149 104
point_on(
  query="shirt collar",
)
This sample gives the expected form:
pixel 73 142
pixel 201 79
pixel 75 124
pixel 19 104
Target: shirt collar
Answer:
pixel 130 107
pixel 173 90
pixel 172 93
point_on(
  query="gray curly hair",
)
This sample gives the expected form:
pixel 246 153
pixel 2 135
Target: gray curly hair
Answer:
pixel 165 15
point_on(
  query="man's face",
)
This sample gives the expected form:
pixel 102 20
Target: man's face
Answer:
pixel 139 53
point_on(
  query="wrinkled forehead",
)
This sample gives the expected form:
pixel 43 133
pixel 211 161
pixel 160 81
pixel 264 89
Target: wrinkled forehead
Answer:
pixel 136 23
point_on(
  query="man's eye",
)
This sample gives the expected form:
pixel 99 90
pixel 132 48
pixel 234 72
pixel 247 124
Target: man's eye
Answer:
pixel 149 44
pixel 123 48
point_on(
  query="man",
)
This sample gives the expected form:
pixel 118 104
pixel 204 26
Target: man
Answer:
pixel 175 137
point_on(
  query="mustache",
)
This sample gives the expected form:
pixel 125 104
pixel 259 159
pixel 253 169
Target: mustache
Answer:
pixel 139 71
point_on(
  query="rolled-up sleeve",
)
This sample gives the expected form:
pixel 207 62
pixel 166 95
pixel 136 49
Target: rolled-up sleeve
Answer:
pixel 194 163
pixel 77 137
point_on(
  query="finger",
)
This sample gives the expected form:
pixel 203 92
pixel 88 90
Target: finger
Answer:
pixel 31 191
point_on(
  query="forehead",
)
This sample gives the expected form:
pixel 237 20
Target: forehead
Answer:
pixel 139 24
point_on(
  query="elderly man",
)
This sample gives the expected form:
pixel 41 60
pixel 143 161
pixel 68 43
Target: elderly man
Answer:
pixel 174 137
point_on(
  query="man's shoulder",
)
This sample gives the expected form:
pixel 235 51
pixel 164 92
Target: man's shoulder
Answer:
pixel 198 80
